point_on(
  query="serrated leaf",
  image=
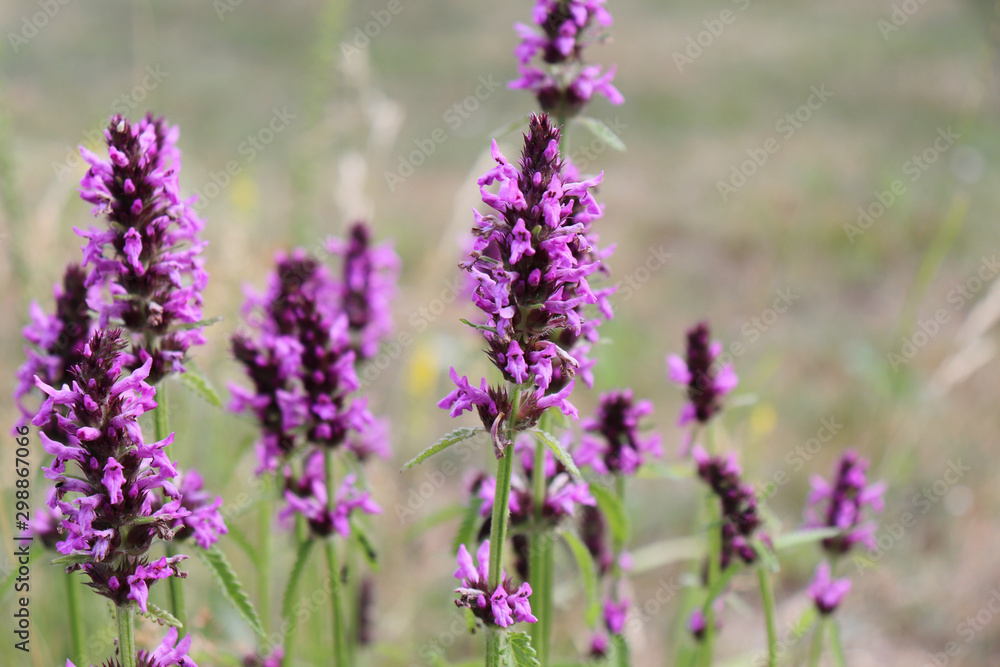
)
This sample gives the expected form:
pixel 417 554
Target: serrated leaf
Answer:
pixel 600 130
pixel 516 650
pixel 588 572
pixel 800 537
pixel 291 588
pixel 231 586
pixel 564 456
pixel 197 325
pixel 201 386
pixel 360 535
pixel 160 616
pixel 477 326
pixel 455 437
pixel 614 511
pixel 467 529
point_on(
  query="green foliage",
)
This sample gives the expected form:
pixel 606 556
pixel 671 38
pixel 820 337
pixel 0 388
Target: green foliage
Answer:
pixel 160 616
pixel 455 437
pixel 467 529
pixel 201 386
pixel 564 456
pixel 600 130
pixel 301 558
pixel 588 572
pixel 614 511
pixel 516 650
pixel 223 572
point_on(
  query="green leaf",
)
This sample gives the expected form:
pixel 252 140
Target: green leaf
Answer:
pixel 618 653
pixel 456 436
pixel 436 518
pixel 800 537
pixel 476 326
pixel 241 540
pixel 72 559
pixel 467 529
pixel 588 572
pixel 201 386
pixel 600 130
pixel 719 585
pixel 552 443
pixel 231 586
pixel 614 511
pixel 196 325
pixel 291 588
pixel 360 535
pixel 766 556
pixel 160 616
pixel 516 650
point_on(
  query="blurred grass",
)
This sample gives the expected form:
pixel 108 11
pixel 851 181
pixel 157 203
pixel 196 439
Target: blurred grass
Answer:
pixel 782 230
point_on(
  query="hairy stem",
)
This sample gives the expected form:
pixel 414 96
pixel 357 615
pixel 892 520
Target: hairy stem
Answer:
pixel 75 622
pixel 538 553
pixel 817 644
pixel 126 635
pixel 767 596
pixel 340 653
pixel 264 569
pixel 160 431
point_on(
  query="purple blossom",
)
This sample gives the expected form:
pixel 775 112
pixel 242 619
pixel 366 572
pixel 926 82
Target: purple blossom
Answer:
pixel 55 341
pixel 827 592
pixel 45 521
pixel 697 623
pixel 618 447
pixel 738 503
pixel 594 533
pixel 530 287
pixel 274 659
pixel 599 646
pixel 301 365
pixel 367 287
pixel 842 504
pixel 204 521
pixel 109 519
pixel 309 497
pixel 501 607
pixel 169 653
pixel 153 273
pixel 614 615
pixel 563 84
pixel 706 382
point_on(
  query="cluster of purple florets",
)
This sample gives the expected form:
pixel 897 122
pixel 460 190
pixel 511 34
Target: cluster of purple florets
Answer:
pixel 500 607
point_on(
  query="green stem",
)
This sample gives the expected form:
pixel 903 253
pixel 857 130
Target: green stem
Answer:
pixel 75 624
pixel 498 527
pixel 126 635
pixel 767 596
pixel 340 658
pixel 714 553
pixel 817 644
pixel 174 584
pixel 539 549
pixel 838 648
pixel 264 564
pixel 177 605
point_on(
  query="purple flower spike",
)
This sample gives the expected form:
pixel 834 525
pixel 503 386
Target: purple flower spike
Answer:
pixel 706 383
pixel 369 283
pixel 564 84
pixel 301 365
pixel 308 496
pixel 530 264
pixel 153 274
pixel 170 653
pixel 739 505
pixel 502 607
pixel 619 448
pixel 204 521
pixel 614 615
pixel 827 592
pixel 842 504
pixel 57 340
pixel 109 502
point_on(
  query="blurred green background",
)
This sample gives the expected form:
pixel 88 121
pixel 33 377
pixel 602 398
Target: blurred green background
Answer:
pixel 224 71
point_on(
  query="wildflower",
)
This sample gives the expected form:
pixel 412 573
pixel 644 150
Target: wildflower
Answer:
pixel 614 615
pixel 274 659
pixel 110 522
pixel 529 283
pixel 45 521
pixel 204 521
pixel 698 624
pixel 842 504
pixel 302 364
pixel 598 646
pixel 309 497
pixel 501 607
pixel 169 653
pixel 619 449
pixel 706 384
pixel 367 287
pixel 738 503
pixel 827 592
pixel 154 275
pixel 564 84
pixel 56 340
